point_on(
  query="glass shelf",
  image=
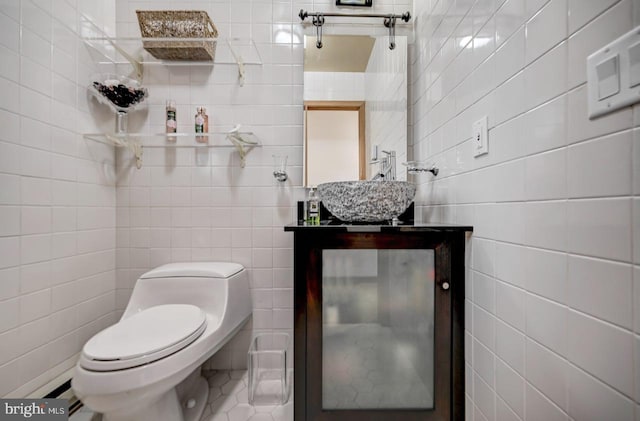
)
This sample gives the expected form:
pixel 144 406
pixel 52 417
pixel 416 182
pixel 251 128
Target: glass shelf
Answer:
pixel 162 140
pixel 242 142
pixel 107 50
pixel 228 51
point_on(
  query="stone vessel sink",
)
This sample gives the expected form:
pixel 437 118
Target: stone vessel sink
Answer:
pixel 366 201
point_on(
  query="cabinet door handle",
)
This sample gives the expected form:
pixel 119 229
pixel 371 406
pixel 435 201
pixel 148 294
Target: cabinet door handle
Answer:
pixel 445 285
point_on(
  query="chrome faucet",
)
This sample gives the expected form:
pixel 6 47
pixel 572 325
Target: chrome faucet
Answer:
pixel 387 167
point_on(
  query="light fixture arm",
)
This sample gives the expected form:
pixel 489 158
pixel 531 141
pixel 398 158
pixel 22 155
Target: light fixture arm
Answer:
pixel 390 22
pixel 318 21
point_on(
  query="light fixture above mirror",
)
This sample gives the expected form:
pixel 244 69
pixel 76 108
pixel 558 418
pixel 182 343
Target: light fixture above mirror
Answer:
pixel 360 3
pixel 389 21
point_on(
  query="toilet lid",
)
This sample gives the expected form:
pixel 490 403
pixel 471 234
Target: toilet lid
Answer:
pixel 144 337
pixel 195 270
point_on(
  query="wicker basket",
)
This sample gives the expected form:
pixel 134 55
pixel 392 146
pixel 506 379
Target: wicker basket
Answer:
pixel 178 24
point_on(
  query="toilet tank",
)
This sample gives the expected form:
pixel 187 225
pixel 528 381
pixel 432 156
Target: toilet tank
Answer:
pixel 208 285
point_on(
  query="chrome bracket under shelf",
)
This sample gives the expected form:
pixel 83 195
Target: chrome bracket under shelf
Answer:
pixel 137 152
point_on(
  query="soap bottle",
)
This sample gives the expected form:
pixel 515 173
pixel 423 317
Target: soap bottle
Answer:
pixel 313 208
pixel 202 124
pixel 171 121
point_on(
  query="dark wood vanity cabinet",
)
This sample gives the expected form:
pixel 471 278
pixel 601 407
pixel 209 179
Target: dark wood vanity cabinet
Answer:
pixel 379 322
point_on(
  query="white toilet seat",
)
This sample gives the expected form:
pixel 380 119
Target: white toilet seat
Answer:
pixel 195 270
pixel 145 337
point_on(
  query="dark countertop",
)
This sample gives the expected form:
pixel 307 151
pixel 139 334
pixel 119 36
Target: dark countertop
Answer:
pixel 349 227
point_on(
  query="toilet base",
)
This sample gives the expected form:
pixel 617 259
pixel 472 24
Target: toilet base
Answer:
pixel 200 393
pixel 169 407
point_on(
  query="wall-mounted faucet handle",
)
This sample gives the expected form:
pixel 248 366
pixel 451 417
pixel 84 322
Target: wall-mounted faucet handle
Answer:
pixel 387 166
pixel 432 170
pixel 416 167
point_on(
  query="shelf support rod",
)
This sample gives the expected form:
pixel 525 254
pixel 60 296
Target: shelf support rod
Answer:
pixel 136 64
pixel 239 62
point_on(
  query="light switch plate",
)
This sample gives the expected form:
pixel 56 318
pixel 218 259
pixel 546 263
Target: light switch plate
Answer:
pixel 480 137
pixel 608 73
pixel 634 65
pixel 612 75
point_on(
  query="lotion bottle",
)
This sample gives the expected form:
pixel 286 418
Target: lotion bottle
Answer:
pixel 171 120
pixel 202 124
pixel 313 208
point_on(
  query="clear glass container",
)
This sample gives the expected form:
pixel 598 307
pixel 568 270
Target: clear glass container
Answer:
pixel 268 362
pixel 280 167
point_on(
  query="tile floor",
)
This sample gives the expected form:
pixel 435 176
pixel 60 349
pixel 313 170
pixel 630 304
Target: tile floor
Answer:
pixel 228 401
pixel 84 414
pixel 366 366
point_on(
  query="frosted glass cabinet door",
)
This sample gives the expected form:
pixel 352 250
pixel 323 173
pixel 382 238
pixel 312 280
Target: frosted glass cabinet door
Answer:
pixel 377 329
pixel 379 326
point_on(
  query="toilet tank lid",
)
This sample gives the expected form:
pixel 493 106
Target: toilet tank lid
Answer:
pixel 194 270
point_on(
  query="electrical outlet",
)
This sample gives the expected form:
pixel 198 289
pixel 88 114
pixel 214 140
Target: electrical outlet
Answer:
pixel 480 137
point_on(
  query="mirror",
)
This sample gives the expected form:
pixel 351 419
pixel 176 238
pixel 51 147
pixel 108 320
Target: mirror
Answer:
pixel 355 105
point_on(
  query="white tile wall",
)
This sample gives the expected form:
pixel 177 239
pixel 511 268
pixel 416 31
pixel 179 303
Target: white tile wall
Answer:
pixel 590 340
pixel 593 400
pixel 601 288
pixel 547 372
pixel 510 387
pixel 558 237
pixel 386 96
pixel 540 408
pixel 46 256
pixel 334 86
pixel 546 274
pixel 546 29
pixel 510 304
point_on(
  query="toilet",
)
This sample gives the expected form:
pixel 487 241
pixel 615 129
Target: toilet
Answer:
pixel 147 366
